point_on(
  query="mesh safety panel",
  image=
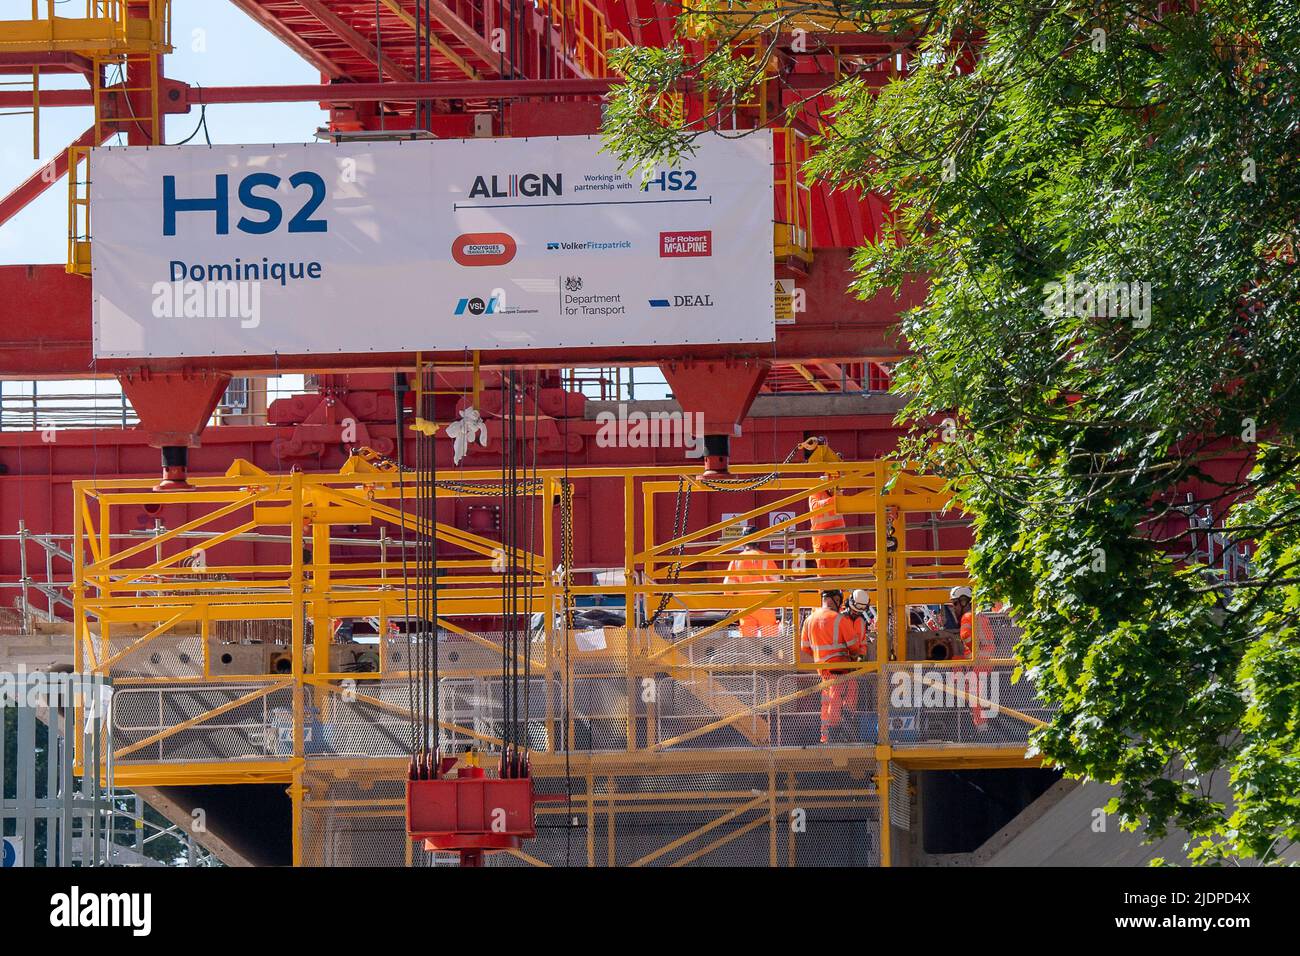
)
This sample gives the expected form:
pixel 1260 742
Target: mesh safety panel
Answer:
pixel 977 704
pixel 202 722
pixel 706 814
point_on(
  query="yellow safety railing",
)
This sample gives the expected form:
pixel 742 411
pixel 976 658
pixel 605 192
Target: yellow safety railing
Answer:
pixel 79 210
pixel 92 27
pixel 587 33
pixel 743 20
pixel 793 239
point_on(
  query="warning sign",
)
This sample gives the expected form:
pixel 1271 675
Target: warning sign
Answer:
pixel 785 295
pixel 780 538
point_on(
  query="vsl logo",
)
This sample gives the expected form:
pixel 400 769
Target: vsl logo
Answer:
pixel 483 249
pixel 517 184
pixel 250 199
pixel 479 306
pixel 130 910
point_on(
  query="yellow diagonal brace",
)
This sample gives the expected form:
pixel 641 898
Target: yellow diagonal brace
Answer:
pixel 181 555
pixel 471 542
pixel 758 708
pixel 401 711
pixel 102 566
pixel 700 831
pixel 719 526
pixel 207 715
pixel 767 601
pixel 721 841
pixel 162 628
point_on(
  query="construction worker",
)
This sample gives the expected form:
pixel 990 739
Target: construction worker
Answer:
pixel 857 607
pixel 824 544
pixel 961 599
pixel 831 637
pixel 752 566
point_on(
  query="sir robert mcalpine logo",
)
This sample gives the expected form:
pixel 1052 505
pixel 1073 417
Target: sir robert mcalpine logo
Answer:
pixel 484 248
pixel 686 245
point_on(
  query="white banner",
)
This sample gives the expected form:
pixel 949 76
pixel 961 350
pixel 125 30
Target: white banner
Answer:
pixel 424 245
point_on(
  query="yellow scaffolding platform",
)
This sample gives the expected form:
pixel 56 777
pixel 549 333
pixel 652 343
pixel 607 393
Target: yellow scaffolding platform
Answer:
pixel 686 742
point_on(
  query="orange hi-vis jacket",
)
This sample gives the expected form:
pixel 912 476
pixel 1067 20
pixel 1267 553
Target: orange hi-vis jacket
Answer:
pixel 828 521
pixel 832 637
pixel 986 647
pixel 753 567
pixel 986 650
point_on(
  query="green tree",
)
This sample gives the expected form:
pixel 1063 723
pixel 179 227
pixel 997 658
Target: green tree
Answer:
pixel 1036 155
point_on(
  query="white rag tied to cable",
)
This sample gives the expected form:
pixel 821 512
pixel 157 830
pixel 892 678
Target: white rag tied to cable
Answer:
pixel 462 433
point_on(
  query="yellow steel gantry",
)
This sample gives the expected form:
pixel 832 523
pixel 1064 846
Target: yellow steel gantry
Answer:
pixel 159 613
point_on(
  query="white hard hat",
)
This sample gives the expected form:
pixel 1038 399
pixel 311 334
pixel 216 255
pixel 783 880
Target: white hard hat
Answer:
pixel 959 591
pixel 860 599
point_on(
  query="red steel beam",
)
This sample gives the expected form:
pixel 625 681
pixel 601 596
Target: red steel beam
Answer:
pixel 42 179
pixel 335 93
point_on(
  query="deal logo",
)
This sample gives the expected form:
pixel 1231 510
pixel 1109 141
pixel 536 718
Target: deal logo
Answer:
pixel 530 185
pixel 686 245
pixel 683 302
pixel 484 249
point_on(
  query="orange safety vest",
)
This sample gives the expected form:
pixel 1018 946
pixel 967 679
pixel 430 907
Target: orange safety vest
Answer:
pixel 966 633
pixel 753 567
pixel 831 637
pixel 827 521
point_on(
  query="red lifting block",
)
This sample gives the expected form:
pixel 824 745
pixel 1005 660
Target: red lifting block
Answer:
pixel 470 813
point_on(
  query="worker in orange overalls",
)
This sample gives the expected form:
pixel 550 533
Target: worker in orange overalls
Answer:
pixel 827 544
pixel 963 610
pixel 830 636
pixel 752 566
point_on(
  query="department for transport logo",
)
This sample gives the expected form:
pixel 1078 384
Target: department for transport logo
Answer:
pixel 688 301
pixel 484 248
pixel 573 283
pixel 686 245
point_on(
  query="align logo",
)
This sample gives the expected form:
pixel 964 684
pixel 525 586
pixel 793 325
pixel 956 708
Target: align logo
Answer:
pixel 530 185
pixel 73 909
pixel 683 302
pixel 686 245
pixel 484 249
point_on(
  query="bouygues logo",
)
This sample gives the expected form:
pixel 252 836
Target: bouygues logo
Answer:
pixel 483 249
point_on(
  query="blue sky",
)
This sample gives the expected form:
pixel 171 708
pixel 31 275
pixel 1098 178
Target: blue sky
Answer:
pixel 216 44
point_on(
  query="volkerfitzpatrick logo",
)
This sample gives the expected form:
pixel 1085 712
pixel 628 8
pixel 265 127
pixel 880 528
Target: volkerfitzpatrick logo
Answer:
pixel 131 910
pixel 530 185
pixel 589 245
pixel 479 306
pixel 683 302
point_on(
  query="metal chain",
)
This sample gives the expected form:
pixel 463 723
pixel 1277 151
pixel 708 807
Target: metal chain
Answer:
pixel 746 484
pixel 680 518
